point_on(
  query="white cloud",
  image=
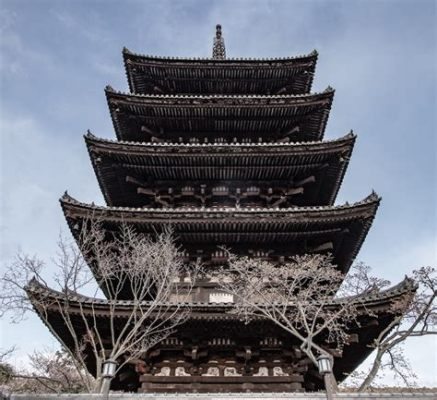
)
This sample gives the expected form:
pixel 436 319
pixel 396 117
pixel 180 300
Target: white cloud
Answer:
pixel 18 58
pixel 92 31
pixel 110 70
pixel 8 19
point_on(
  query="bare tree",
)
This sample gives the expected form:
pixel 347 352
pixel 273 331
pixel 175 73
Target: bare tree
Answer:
pixel 420 319
pixel 147 271
pixel 6 369
pixel 47 372
pixel 297 296
pixel 360 280
pixel 6 353
pixel 309 298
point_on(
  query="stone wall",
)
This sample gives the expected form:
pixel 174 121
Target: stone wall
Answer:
pixel 231 396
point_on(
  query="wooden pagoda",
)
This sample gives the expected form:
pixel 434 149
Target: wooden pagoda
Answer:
pixel 229 152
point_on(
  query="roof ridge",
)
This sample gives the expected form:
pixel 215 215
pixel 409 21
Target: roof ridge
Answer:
pixel 35 287
pixel 372 198
pixel 126 51
pixel 403 286
pixel 328 90
pixel 89 136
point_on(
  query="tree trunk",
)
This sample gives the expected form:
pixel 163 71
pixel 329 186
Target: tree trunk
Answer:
pixel 373 371
pixel 97 385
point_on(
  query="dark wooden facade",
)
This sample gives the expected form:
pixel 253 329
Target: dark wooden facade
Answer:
pixel 228 152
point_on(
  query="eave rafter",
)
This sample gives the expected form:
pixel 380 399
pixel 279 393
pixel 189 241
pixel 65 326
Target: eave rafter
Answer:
pixel 284 117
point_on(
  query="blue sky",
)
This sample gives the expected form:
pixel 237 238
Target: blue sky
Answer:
pixel 380 56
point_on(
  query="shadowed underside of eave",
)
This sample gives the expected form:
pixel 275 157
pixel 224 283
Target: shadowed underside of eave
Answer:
pixel 142 174
pixel 179 118
pixel 339 230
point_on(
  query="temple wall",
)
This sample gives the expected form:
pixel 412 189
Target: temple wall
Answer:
pixel 265 396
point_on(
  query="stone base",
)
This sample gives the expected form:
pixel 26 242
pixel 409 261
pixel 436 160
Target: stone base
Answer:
pixel 233 396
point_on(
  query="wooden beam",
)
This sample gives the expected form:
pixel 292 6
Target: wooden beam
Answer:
pixel 278 202
pixel 322 247
pixel 148 130
pixel 295 129
pixel 306 181
pixel 135 181
pixel 293 191
pixel 147 192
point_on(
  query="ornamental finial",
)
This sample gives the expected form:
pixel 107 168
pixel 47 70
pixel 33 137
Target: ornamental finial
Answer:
pixel 218 49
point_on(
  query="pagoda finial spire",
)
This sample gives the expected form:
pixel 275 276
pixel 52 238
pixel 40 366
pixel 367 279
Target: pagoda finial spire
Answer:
pixel 218 49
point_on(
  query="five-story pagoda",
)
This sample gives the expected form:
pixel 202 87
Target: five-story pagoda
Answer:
pixel 229 152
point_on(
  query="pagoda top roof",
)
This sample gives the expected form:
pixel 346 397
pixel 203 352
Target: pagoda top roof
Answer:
pixel 128 54
pixel 320 166
pixel 139 117
pixel 152 74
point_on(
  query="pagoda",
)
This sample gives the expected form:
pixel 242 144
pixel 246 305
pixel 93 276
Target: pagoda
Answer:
pixel 229 152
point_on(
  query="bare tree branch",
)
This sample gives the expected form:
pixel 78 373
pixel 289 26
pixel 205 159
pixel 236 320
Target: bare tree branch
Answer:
pixel 145 270
pixel 47 371
pixel 419 320
pixel 297 296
